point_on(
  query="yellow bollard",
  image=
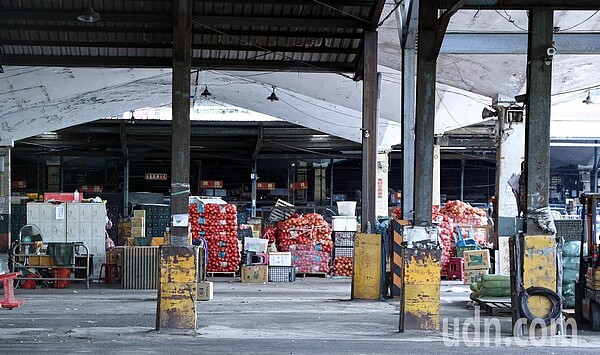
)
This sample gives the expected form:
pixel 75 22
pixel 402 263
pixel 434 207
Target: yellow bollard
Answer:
pixel 366 276
pixel 539 269
pixel 420 300
pixel 177 293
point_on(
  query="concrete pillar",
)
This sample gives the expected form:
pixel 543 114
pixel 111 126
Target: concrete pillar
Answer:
pixel 320 183
pixel 437 160
pixel 509 156
pixel 381 203
pixel 5 190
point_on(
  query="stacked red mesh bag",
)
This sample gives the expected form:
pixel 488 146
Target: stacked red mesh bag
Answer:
pixel 218 225
pixel 308 238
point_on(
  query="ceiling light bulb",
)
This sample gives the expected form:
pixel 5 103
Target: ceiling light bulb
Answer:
pixel 273 96
pixel 206 93
pixel 588 100
pixel 89 16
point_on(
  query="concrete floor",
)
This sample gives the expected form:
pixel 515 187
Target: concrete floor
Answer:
pixel 310 316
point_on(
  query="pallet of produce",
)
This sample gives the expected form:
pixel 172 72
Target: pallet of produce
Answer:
pixel 342 266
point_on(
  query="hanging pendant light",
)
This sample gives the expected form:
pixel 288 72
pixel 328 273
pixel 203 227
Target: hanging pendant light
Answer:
pixel 588 100
pixel 90 15
pixel 273 97
pixel 206 93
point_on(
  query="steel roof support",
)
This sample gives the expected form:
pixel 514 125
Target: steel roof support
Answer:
pixel 537 129
pixel 369 129
pixel 425 113
pixel 516 43
pixel 172 310
pixel 180 164
pixel 408 38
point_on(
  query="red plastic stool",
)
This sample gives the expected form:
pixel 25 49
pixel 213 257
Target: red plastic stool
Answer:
pixel 456 269
pixel 110 269
pixel 9 300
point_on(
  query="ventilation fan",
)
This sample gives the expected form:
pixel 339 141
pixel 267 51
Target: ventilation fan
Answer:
pixel 29 234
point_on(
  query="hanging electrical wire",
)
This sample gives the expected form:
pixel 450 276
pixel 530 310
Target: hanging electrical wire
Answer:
pixel 581 23
pixel 510 20
pixel 284 56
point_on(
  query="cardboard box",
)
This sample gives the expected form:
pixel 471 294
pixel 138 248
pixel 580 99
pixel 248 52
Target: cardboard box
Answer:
pixel 474 275
pixel 41 260
pixel 139 213
pixel 137 222
pixel 138 232
pixel 255 274
pixel 477 259
pixel 343 223
pixel 204 291
pixel 280 259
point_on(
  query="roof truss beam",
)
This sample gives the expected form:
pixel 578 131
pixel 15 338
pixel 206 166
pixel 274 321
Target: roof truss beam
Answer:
pixel 516 43
pixel 527 4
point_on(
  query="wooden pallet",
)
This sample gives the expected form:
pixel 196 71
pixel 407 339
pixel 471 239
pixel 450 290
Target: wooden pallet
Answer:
pixel 495 307
pixel 220 274
pixel 312 274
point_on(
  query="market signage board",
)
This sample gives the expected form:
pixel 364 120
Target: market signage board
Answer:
pixel 155 176
pixel 211 184
pixel 265 186
pixel 302 185
pixel 91 188
pixel 18 184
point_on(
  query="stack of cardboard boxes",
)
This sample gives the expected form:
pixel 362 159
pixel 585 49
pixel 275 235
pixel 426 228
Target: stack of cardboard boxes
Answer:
pixel 476 264
pixel 133 227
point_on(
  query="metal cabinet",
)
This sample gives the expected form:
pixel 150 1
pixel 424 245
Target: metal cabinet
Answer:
pixel 72 222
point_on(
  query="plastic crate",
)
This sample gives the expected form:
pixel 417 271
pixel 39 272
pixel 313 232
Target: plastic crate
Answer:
pixel 282 274
pixel 456 269
pixel 343 251
pixel 569 229
pixel 343 239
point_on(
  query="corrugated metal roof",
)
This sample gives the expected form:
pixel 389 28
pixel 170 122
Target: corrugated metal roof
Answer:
pixel 299 35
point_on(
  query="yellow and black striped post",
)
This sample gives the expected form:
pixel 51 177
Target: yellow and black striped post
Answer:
pixel 397 256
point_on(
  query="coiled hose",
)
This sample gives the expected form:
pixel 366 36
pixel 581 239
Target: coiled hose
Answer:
pixel 540 291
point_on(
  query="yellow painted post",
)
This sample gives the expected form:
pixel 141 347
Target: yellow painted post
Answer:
pixel 539 269
pixel 366 279
pixel 420 302
pixel 177 292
